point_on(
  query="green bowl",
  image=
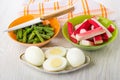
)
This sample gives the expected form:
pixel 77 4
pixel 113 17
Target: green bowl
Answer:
pixel 80 19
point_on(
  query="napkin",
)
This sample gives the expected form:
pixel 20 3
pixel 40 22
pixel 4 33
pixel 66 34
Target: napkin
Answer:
pixel 88 7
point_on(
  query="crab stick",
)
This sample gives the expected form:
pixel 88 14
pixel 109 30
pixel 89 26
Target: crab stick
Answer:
pixel 98 24
pixel 84 25
pixel 97 39
pixel 111 28
pixel 70 32
pixel 90 34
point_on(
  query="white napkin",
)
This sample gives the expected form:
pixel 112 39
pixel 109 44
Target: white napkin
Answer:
pixel 81 7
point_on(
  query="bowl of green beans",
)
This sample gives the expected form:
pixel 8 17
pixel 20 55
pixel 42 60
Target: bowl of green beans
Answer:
pixel 37 34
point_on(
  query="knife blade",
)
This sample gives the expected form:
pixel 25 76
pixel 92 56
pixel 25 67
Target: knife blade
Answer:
pixel 44 17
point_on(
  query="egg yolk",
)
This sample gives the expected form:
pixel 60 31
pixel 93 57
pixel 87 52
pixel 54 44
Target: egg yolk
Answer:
pixel 56 62
pixel 56 51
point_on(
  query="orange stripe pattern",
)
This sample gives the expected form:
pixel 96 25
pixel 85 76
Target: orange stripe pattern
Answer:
pixel 30 2
pixel 41 8
pixel 84 7
pixel 103 10
pixel 26 10
pixel 56 5
pixel 70 15
pixel 87 7
pixel 46 0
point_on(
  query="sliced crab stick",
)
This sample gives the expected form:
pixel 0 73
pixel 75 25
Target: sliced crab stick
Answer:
pixel 70 31
pixel 98 24
pixel 90 34
pixel 84 25
pixel 97 39
pixel 70 28
pixel 86 43
pixel 105 37
pixel 111 28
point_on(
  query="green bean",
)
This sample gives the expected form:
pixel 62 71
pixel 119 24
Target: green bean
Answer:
pixel 20 33
pixel 24 31
pixel 37 39
pixel 34 42
pixel 40 38
pixel 50 34
pixel 26 28
pixel 30 41
pixel 17 36
pixel 31 35
pixel 25 37
pixel 41 32
pixel 48 30
pixel 45 36
pixel 29 30
pixel 32 26
pixel 38 28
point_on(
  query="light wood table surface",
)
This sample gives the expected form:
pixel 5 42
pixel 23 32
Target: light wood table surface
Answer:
pixel 105 62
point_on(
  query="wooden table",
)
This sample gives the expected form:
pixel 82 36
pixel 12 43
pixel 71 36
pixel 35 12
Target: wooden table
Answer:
pixel 105 62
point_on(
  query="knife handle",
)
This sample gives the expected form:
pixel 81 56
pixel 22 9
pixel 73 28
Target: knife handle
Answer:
pixel 57 13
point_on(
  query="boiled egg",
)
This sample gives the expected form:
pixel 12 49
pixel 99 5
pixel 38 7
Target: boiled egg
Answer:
pixel 75 57
pixel 55 63
pixel 34 55
pixel 55 51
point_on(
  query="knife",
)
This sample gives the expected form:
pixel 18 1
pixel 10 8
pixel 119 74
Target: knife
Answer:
pixel 45 16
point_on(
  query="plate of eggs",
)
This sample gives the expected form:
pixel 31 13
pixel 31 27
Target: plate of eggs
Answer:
pixel 55 60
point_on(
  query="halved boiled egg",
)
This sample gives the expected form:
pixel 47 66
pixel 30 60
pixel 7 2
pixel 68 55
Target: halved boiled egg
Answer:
pixel 55 51
pixel 75 57
pixel 55 63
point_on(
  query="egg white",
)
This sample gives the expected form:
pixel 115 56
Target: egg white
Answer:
pixel 34 55
pixel 75 57
pixel 55 51
pixel 55 63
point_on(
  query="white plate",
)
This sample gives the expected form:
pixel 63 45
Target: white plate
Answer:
pixel 66 70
